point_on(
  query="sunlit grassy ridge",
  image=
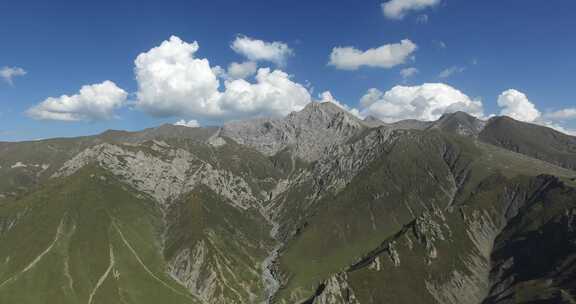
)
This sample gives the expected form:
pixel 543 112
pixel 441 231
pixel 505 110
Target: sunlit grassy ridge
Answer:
pixel 85 238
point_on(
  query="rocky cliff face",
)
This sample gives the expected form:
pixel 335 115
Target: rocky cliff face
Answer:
pixel 316 207
pixel 306 133
pixel 163 172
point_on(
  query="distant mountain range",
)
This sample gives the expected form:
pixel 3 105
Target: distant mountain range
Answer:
pixel 316 207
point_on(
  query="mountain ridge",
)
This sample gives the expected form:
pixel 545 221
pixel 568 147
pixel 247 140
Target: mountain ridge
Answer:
pixel 316 207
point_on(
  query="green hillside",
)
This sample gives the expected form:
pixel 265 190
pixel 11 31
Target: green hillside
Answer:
pixel 442 214
pixel 85 238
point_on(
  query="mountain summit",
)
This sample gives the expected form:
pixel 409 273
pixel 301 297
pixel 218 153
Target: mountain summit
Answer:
pixel 307 133
pixel 460 123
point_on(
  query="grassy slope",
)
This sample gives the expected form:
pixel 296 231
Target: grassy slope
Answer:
pixel 533 140
pixel 351 224
pixel 389 194
pixel 234 243
pixel 84 238
pixel 456 255
pixel 237 241
pixel 81 218
pixel 33 154
pixel 208 216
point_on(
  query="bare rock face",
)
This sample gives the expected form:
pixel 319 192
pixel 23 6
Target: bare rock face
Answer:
pixel 163 172
pixel 341 163
pixel 307 133
pixel 336 291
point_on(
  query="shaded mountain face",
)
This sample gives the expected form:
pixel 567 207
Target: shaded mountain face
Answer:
pixel 532 140
pixel 316 207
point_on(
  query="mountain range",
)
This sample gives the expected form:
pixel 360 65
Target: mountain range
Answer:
pixel 315 207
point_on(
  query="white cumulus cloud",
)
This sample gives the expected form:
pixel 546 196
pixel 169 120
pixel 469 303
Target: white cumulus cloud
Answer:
pixel 259 50
pixel 241 70
pixel 427 102
pixel 172 82
pixel 273 94
pixel 517 105
pixel 386 56
pixel 424 102
pixel 93 102
pixel 398 9
pixel 188 123
pixel 8 73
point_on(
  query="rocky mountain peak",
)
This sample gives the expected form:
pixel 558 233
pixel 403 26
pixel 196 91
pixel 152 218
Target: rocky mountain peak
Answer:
pixel 306 133
pixel 322 113
pixel 373 122
pixel 460 123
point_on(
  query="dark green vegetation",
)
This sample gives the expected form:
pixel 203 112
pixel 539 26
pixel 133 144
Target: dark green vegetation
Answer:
pixel 453 211
pixel 532 140
pixel 541 241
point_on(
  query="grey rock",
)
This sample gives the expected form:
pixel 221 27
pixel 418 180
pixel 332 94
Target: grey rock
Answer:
pixel 307 133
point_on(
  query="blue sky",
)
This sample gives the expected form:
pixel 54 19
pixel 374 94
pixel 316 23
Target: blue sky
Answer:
pixel 492 46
